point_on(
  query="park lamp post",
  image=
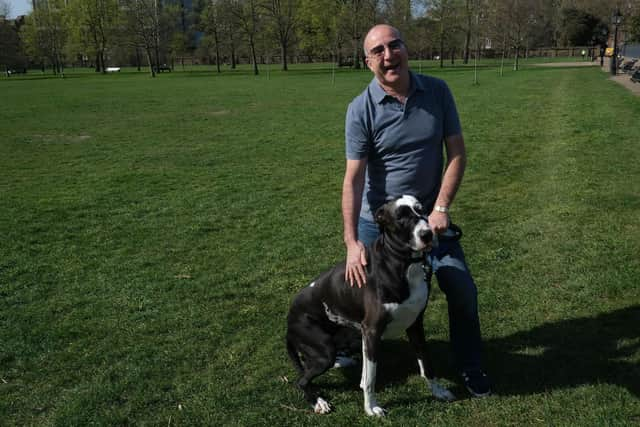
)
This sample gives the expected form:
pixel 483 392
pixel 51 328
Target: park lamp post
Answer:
pixel 616 20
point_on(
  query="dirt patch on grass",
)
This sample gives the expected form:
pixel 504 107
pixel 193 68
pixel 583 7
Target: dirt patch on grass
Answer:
pixel 218 113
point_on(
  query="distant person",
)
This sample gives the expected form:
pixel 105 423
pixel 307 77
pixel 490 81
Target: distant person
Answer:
pixel 396 133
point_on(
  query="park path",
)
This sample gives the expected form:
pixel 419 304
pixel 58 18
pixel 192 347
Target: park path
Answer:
pixel 625 80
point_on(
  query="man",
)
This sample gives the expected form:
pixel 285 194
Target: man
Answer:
pixel 394 134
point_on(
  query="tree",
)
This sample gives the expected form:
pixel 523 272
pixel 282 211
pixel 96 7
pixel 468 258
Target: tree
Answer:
pixel 45 34
pixel 248 16
pixel 93 23
pixel 5 9
pixel 633 27
pixel 11 52
pixel 445 13
pixel 284 16
pixel 142 24
pixel 398 13
pixel 317 32
pixel 580 26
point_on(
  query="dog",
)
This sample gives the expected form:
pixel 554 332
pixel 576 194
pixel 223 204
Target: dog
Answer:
pixel 392 301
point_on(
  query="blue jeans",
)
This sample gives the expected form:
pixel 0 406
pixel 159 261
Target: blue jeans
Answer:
pixel 454 279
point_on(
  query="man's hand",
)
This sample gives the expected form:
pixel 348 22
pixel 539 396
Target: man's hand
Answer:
pixel 356 260
pixel 438 222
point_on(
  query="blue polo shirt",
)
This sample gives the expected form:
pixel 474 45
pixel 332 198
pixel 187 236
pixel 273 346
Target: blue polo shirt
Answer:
pixel 403 144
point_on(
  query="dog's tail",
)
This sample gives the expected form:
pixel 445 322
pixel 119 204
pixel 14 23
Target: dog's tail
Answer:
pixel 294 356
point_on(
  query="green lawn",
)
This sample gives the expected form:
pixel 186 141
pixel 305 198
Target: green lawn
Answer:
pixel 153 232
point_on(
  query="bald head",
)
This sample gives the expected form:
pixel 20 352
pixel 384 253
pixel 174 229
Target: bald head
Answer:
pixel 374 34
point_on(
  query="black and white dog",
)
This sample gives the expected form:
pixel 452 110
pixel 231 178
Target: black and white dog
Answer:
pixel 392 301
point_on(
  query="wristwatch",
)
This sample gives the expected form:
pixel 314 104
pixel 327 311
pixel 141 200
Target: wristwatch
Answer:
pixel 442 209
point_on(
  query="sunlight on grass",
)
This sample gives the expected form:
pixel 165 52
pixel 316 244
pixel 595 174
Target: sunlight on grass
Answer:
pixel 155 230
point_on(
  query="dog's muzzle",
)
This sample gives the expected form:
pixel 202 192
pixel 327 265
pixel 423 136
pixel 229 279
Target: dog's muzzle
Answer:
pixel 426 236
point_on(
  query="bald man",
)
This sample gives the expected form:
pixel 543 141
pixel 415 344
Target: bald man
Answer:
pixel 397 132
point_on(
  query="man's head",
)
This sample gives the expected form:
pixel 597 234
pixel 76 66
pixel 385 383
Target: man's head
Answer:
pixel 387 56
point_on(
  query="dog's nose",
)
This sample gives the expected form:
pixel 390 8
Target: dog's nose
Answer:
pixel 426 235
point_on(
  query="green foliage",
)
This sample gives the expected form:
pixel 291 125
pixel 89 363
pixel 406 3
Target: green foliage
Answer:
pixel 11 50
pixel 633 28
pixel 45 34
pixel 93 28
pixel 581 28
pixel 154 232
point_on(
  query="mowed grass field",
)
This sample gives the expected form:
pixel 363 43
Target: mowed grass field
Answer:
pixel 154 231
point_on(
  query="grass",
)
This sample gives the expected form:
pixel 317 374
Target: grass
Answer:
pixel 155 230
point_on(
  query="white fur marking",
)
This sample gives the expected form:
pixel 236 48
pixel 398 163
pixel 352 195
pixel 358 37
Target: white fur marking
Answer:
pixel 312 284
pixel 336 318
pixel 416 242
pixel 439 391
pixel 321 406
pixel 421 366
pixel 368 384
pixel 409 201
pixel 404 314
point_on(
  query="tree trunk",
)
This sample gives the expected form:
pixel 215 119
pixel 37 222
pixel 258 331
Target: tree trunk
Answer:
pixel 150 59
pixel 283 50
pixel 253 55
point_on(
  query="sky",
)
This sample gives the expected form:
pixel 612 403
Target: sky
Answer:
pixel 19 7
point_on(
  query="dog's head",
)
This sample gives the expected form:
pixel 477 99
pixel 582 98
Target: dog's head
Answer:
pixel 404 223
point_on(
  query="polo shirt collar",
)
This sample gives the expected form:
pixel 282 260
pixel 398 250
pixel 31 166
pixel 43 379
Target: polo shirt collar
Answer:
pixel 379 94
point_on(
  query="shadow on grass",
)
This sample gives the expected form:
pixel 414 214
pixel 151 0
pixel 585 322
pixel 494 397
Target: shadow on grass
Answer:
pixel 573 352
pixel 558 355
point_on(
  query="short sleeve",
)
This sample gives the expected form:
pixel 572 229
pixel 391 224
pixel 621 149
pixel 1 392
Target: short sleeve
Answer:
pixel 451 118
pixel 356 132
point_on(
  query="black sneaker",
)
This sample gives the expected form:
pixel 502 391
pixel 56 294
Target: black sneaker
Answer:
pixel 477 382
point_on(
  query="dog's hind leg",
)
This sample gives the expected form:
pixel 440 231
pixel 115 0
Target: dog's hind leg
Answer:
pixel 415 333
pixel 318 358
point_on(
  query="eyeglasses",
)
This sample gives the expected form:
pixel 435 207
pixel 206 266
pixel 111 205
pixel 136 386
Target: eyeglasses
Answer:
pixel 393 45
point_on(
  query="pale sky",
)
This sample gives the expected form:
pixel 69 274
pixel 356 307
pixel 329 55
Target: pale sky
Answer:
pixel 19 7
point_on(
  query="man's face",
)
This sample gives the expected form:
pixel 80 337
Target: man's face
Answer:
pixel 387 56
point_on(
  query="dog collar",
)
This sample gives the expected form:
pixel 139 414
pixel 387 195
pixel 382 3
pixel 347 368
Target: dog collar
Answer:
pixel 417 257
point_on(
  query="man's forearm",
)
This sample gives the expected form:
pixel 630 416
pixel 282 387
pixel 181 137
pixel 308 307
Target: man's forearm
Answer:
pixel 451 181
pixel 456 163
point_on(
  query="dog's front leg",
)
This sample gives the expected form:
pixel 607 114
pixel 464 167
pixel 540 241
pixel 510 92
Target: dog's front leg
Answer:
pixel 370 344
pixel 415 333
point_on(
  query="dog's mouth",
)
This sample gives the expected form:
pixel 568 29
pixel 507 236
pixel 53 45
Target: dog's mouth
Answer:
pixel 426 236
pixel 423 241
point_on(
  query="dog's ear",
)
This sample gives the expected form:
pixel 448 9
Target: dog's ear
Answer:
pixel 383 217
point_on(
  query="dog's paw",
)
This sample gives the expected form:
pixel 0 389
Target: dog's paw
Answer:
pixel 375 411
pixel 440 392
pixel 321 406
pixel 344 362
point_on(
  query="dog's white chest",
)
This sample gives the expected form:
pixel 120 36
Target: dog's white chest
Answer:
pixel 404 314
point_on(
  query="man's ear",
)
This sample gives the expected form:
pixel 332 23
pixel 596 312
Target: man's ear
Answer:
pixel 383 217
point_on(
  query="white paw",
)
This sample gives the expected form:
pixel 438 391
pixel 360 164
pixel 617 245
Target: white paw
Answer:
pixel 321 406
pixel 375 411
pixel 344 362
pixel 440 392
